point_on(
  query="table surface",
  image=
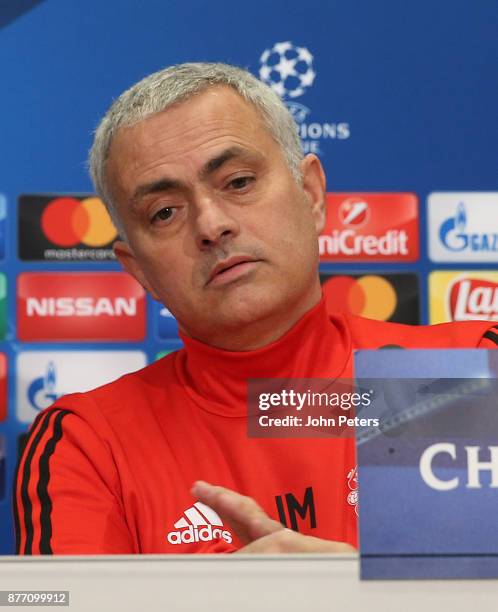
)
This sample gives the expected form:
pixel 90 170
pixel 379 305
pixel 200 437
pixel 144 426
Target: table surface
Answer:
pixel 234 583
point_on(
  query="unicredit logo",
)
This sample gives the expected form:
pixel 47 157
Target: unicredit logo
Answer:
pixel 80 306
pixel 348 243
pixel 354 212
pixel 471 298
pixel 370 227
pixel 68 221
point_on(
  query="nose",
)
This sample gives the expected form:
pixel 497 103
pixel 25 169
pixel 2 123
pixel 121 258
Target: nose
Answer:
pixel 214 223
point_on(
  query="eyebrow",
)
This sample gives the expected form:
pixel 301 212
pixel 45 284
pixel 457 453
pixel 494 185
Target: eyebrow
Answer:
pixel 214 164
pixel 166 184
pixel 161 185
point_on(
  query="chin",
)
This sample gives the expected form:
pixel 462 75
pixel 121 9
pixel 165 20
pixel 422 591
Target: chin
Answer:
pixel 250 308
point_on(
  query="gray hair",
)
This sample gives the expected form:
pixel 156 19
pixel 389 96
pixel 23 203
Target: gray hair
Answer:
pixel 160 90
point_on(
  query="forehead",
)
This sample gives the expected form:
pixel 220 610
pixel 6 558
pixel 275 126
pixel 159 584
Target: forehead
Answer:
pixel 184 135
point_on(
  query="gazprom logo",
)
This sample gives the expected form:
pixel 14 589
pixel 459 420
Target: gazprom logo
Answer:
pixel 454 237
pixel 41 392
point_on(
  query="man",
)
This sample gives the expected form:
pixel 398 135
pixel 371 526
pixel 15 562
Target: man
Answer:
pixel 201 168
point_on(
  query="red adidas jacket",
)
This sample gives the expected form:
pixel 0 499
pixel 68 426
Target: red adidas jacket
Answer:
pixel 110 471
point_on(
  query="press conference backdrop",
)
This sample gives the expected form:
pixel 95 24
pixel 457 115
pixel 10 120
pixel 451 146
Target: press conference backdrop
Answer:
pixel 398 99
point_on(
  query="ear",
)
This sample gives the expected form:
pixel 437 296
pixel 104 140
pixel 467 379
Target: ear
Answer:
pixel 313 183
pixel 127 259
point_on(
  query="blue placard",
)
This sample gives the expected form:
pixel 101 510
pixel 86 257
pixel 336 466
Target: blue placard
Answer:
pixel 428 474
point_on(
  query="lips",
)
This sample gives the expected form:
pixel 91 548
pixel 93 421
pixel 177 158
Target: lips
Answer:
pixel 227 264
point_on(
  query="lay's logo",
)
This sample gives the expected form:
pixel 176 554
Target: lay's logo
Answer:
pixel 463 295
pixel 471 298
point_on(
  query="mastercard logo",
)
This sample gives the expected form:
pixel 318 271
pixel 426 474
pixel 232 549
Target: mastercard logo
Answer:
pixel 369 296
pixel 67 222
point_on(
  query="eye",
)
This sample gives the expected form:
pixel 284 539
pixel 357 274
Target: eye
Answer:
pixel 241 182
pixel 164 214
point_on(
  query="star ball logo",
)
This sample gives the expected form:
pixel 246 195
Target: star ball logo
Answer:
pixel 64 228
pixel 289 70
pixel 384 297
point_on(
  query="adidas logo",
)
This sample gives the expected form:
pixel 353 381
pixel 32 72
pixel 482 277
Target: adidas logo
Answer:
pixel 199 523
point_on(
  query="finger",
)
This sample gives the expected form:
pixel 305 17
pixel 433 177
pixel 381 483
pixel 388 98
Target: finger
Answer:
pixel 237 512
pixel 261 527
pixel 247 519
pixel 287 541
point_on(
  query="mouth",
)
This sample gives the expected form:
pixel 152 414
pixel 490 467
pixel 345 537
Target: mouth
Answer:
pixel 231 269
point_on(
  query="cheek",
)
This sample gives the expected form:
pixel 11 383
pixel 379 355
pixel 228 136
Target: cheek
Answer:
pixel 299 238
pixel 292 223
pixel 154 265
pixel 169 275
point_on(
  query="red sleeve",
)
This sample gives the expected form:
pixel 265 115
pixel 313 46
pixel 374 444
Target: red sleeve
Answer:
pixel 67 496
pixel 489 339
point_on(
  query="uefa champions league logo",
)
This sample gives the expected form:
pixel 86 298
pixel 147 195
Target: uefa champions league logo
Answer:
pixel 287 69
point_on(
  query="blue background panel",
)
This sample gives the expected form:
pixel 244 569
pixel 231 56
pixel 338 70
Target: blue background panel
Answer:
pixel 413 86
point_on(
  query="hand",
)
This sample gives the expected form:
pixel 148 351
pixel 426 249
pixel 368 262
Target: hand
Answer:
pixel 254 528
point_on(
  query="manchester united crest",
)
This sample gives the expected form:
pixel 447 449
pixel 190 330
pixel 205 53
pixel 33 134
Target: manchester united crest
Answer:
pixel 352 497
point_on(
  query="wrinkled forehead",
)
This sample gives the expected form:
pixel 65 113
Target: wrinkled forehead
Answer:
pixel 218 104
pixel 179 141
pixel 216 117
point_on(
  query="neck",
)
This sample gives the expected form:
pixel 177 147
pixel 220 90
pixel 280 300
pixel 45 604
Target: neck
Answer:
pixel 257 334
pixel 313 348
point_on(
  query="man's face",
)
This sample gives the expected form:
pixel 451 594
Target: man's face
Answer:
pixel 218 229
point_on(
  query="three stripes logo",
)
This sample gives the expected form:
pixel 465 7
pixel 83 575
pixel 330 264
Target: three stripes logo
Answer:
pixel 199 523
pixel 492 335
pixel 33 505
